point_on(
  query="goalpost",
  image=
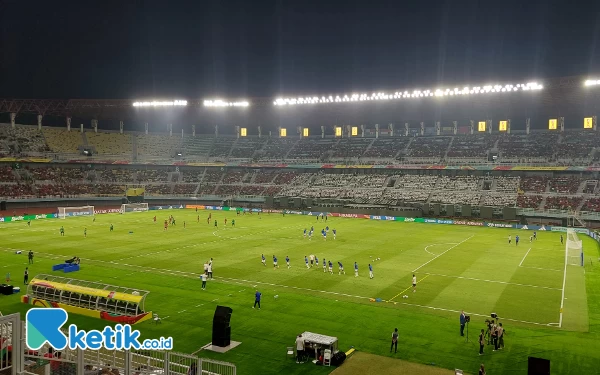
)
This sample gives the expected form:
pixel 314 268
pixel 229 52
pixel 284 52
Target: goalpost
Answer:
pixel 64 212
pixel 134 207
pixel 574 248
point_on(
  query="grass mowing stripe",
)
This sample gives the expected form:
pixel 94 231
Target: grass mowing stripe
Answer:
pixel 410 286
pixel 494 281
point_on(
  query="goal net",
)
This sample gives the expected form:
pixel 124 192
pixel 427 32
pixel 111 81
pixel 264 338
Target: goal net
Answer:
pixel 65 212
pixel 574 249
pixel 134 207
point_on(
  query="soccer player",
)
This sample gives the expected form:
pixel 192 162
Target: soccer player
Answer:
pixel 204 277
pixel 325 218
pixel 355 269
pixel 334 233
pixel 324 266
pixel 173 221
pixel 28 223
pixel 85 232
pixel 205 267
pixel 534 235
pixel 324 234
pixel 198 219
pixel 155 218
pixel 8 277
pixel 370 271
pixel 209 270
pixel 561 239
pixel 93 221
pixel 310 235
pixel 287 261
pixel 330 267
pixel 166 225
pixel 208 220
pixel 517 240
pixel 111 227
pixel 26 276
pixel 225 221
pixel 414 283
pixel 341 268
pixel 62 232
pixel 233 222
pixel 264 260
pixel 312 260
pixel 304 232
pixel 275 265
pixel 530 239
pixel 509 239
pixel 257 296
pixel 30 256
pixel 306 261
pixel 215 223
pixel 327 228
pixel 312 228
pixel 316 261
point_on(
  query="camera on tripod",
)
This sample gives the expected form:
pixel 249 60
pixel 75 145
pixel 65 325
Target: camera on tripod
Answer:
pixel 467 318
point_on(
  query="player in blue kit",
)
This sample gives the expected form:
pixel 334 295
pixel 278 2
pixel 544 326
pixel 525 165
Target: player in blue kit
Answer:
pixel 334 234
pixel 306 261
pixel 517 240
pixel 287 261
pixel 324 266
pixel 324 234
pixel 310 235
pixel 330 267
pixel 305 232
pixel 341 268
pixel 316 261
pixel 355 269
pixel 534 235
pixel 327 229
pixel 370 271
pixel 275 265
pixel 264 260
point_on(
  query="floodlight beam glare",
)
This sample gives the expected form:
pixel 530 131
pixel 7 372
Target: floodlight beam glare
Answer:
pixel 157 103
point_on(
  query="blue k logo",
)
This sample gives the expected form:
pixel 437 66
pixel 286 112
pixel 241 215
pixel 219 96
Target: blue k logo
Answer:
pixel 43 325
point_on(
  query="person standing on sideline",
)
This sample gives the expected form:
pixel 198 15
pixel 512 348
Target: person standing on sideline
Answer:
pixel 394 341
pixel 463 321
pixel 481 341
pixel 370 271
pixel 299 348
pixel 500 330
pixel 355 269
pixel 30 256
pixel 561 239
pixel 26 276
pixel 257 296
pixel 414 283
pixel 209 270
pixel 204 276
pixel 481 370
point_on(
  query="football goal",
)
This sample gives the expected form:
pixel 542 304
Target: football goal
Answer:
pixel 64 212
pixel 134 207
pixel 574 248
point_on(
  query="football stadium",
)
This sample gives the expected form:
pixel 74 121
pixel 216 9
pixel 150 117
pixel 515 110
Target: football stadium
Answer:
pixel 445 227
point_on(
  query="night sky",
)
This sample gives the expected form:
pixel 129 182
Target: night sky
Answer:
pixel 238 49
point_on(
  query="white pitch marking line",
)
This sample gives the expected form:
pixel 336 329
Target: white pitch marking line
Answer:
pixel 434 244
pixel 493 281
pixel 216 299
pixel 543 269
pixel 200 305
pixel 439 255
pixel 181 311
pixel 522 260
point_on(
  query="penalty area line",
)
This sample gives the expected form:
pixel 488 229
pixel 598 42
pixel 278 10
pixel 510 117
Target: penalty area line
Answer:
pixel 522 260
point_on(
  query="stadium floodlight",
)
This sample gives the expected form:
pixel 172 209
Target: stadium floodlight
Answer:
pixel 223 103
pixel 156 103
pixel 592 82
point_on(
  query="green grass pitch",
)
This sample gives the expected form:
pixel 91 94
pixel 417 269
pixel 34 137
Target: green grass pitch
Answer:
pixel 457 267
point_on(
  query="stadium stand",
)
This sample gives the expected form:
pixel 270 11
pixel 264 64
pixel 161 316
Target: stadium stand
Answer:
pixel 263 177
pixel 563 203
pixel 152 175
pixel 114 175
pixel 415 182
pixel 592 204
pixel 386 148
pixel 156 146
pixel 57 174
pixel 6 174
pixel 276 149
pixel 159 189
pixel 529 201
pixel 576 146
pixel 534 184
pixel 508 184
pixel 471 147
pixel 311 149
pixel 221 147
pixel 212 175
pixel 536 147
pixel 499 199
pixel 111 143
pixel 17 191
pixel 350 148
pixel 429 147
pixel 284 178
pixel 185 189
pixel 233 177
pixel 245 148
pixel 197 147
pixel 193 175
pixel 455 197
pixel 565 185
pixel 63 141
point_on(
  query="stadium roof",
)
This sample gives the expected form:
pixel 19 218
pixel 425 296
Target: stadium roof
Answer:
pixel 560 97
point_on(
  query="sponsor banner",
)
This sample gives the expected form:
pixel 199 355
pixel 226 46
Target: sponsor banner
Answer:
pixel 354 216
pixel 292 212
pixel 9 219
pixel 533 227
pixel 411 219
pixel 500 225
pixel 382 217
pixel 174 207
pixel 564 229
pixel 272 211
pixel 470 223
pixel 198 206
pixel 107 211
pixel 517 168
